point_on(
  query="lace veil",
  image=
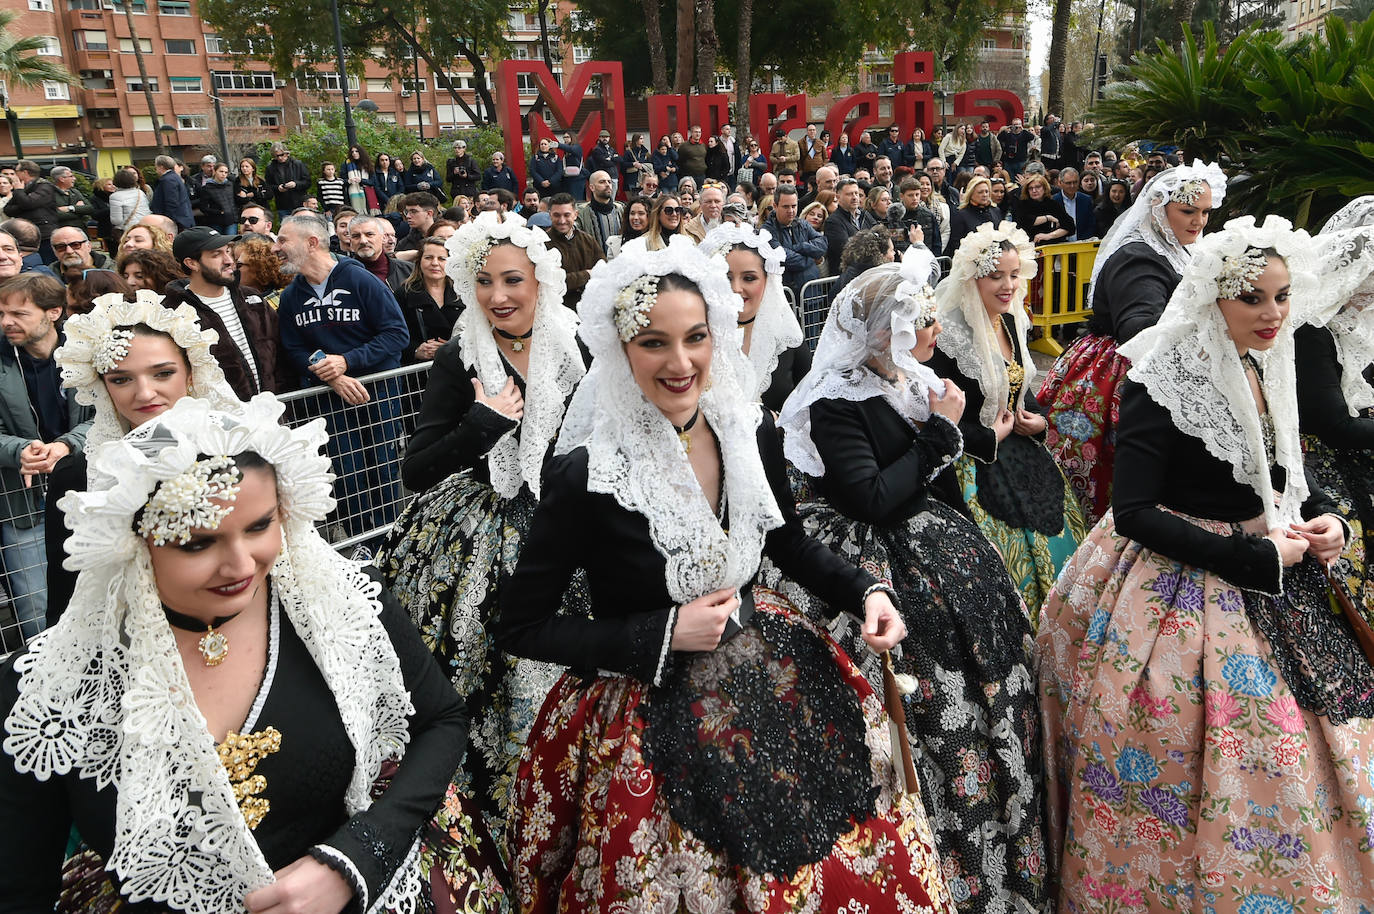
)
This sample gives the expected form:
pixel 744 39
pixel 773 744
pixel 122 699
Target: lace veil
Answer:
pixel 91 340
pixel 874 319
pixel 775 326
pixel 633 452
pixel 104 692
pixel 969 336
pixel 555 361
pixel 1191 368
pixel 1146 220
pixel 1345 257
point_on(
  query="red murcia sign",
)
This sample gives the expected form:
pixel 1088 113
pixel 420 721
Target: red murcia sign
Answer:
pixel 767 110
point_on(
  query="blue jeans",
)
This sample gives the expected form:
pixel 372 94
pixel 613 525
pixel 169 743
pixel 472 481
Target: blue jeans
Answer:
pixel 25 563
pixel 362 448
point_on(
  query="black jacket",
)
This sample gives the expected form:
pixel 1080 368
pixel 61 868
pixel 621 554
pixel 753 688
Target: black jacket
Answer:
pixel 280 173
pixel 217 208
pixel 36 202
pixel 427 319
pixel 839 228
pixel 259 325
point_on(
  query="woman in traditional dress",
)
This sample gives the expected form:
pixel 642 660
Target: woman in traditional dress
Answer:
pixel 772 336
pixel 713 750
pixel 1207 715
pixel 876 431
pixel 1016 494
pixel 491 411
pixel 1137 268
pixel 1335 349
pixel 131 361
pixel 221 709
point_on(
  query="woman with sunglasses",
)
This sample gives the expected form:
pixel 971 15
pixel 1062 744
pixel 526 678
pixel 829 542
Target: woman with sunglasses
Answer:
pixel 668 218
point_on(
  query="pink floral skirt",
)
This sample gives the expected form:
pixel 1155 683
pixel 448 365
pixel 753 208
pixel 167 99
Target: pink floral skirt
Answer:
pixel 1185 770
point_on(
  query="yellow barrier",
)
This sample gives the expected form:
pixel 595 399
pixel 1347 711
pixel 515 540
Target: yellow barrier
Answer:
pixel 1058 294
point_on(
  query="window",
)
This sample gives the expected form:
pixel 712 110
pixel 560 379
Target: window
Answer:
pixel 135 84
pixel 880 80
pixel 725 82
pixel 42 6
pixel 143 122
pixel 526 84
pixel 91 40
pixel 193 122
pixel 140 6
pixel 214 44
pixel 186 84
pixel 173 8
pixel 581 55
pixel 411 85
pixel 55 91
pixel 325 82
pixel 988 44
pixel 180 45
pixel 76 4
pixel 410 118
pixel 51 47
pixel 374 84
pixel 243 81
pixel 126 45
pixel 386 117
pixel 269 118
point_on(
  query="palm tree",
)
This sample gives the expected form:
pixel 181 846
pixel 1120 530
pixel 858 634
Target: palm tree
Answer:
pixel 20 66
pixel 1355 11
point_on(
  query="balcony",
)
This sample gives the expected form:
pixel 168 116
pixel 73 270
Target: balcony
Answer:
pixel 1002 54
pixel 101 98
pixel 86 59
pixel 109 138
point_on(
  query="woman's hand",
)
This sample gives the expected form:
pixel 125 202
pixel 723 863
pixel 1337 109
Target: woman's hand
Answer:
pixel 701 622
pixel 1325 537
pixel 304 887
pixel 883 625
pixel 951 405
pixel 508 402
pixel 1028 423
pixel 425 351
pixel 1292 546
pixel 1006 421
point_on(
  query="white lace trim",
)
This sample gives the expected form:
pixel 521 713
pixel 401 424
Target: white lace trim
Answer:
pixel 633 452
pixel 863 326
pixel 1346 266
pixel 969 335
pixel 88 335
pixel 1146 220
pixel 270 674
pixel 667 646
pixel 1191 367
pixel 407 885
pixel 555 362
pixel 104 693
pixel 355 878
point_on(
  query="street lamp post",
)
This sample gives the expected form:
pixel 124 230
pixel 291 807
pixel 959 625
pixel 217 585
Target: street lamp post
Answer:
pixel 349 127
pixel 13 121
pixel 219 122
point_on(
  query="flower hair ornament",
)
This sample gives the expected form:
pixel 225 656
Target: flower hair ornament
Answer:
pixel 632 306
pixel 102 694
pixel 1191 366
pixel 633 450
pixel 555 362
pixel 187 501
pixel 775 327
pixel 969 335
pixel 1147 219
pixel 97 341
pixel 1345 257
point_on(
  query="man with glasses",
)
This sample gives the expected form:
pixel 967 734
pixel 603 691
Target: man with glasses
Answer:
pixel 74 254
pixel 255 220
pixel 287 178
pixel 891 146
pixel 938 172
pixel 421 211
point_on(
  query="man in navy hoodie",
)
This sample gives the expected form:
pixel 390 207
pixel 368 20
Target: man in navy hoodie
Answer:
pixel 338 309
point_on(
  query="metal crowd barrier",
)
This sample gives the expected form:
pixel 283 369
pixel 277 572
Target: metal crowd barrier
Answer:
pixel 1058 294
pixel 815 304
pixel 366 444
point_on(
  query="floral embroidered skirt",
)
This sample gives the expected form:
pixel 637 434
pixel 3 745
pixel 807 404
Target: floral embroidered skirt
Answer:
pixel 445 560
pixel 1026 510
pixel 1082 393
pixel 757 778
pixel 1208 748
pixel 974 720
pixel 1347 476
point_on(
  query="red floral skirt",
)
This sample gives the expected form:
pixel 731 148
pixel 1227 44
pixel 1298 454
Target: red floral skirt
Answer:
pixel 598 828
pixel 1083 395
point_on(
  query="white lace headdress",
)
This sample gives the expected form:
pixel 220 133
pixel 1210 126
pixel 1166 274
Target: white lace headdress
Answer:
pixel 1147 221
pixel 1191 367
pixel 969 336
pixel 555 361
pixel 95 344
pixel 1345 263
pixel 775 326
pixel 633 452
pixel 104 693
pixel 874 319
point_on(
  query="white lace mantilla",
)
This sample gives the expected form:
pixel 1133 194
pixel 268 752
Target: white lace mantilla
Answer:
pixel 104 693
pixel 872 322
pixel 969 335
pixel 555 365
pixel 1146 220
pixel 1191 367
pixel 88 336
pixel 633 452
pixel 775 327
pixel 1345 263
